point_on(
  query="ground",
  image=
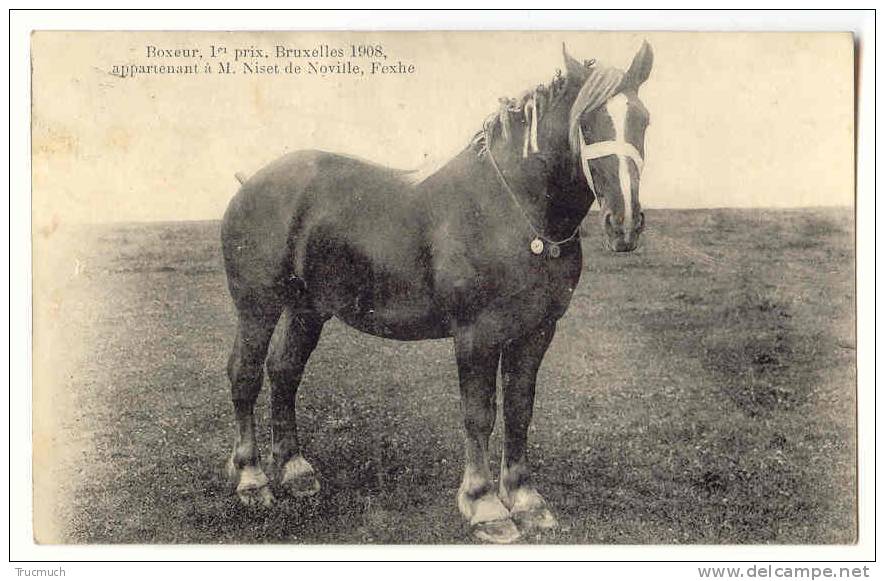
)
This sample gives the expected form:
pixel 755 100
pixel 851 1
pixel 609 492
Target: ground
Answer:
pixel 699 390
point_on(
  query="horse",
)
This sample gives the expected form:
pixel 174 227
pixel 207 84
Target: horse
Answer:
pixel 485 250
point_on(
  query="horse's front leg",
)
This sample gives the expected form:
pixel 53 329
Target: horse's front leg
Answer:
pixel 520 361
pixel 477 500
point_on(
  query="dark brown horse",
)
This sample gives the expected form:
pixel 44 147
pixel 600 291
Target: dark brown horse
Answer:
pixel 485 250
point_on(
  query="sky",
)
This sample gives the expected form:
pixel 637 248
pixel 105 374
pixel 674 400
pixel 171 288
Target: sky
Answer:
pixel 737 119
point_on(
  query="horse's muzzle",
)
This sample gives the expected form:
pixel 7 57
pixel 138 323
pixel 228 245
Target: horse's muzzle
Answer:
pixel 623 245
pixel 623 237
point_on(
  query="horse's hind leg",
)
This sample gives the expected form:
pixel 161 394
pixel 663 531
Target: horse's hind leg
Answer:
pixel 289 351
pixel 477 371
pixel 520 361
pixel 245 372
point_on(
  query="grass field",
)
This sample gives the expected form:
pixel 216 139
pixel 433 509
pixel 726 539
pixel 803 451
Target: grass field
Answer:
pixel 700 390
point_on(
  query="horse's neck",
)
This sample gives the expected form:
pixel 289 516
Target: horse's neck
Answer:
pixel 554 208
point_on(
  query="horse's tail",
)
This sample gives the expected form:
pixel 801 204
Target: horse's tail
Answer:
pixel 241 177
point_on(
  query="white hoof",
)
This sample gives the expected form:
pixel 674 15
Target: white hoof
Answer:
pixel 499 531
pixel 252 489
pixel 298 477
pixel 489 519
pixel 529 510
pixel 536 519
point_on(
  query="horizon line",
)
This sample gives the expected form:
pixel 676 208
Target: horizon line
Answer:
pixel 595 209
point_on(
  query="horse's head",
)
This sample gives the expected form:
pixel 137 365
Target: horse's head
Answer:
pixel 607 124
pixel 579 138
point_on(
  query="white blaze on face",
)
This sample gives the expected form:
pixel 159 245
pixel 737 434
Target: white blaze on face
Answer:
pixel 617 108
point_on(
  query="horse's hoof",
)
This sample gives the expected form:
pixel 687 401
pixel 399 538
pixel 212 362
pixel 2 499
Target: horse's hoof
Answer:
pixel 497 531
pixel 298 478
pixel 302 486
pixel 253 489
pixel 303 489
pixel 535 519
pixel 490 520
pixel 256 497
pixel 528 509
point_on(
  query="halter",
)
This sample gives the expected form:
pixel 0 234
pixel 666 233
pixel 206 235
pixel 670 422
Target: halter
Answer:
pixel 540 241
pixel 604 149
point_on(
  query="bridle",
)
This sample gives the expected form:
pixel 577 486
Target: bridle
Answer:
pixel 590 151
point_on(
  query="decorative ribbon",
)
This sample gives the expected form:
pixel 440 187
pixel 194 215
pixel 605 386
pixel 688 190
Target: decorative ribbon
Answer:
pixel 606 148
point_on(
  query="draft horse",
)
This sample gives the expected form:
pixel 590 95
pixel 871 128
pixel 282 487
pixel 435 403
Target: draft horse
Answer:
pixel 485 250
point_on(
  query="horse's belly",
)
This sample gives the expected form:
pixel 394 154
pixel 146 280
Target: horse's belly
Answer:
pixel 404 324
pixel 386 292
pixel 403 311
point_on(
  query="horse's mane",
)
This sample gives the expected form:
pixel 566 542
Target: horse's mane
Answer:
pixel 602 83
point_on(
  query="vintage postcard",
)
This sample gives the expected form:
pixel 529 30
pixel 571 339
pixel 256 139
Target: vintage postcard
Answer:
pixel 444 288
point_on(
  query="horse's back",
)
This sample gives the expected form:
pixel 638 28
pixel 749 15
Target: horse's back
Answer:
pixel 350 231
pixel 352 189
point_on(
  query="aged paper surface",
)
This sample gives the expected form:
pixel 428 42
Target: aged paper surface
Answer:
pixel 702 392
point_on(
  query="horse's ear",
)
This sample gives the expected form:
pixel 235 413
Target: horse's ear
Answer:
pixel 572 67
pixel 640 68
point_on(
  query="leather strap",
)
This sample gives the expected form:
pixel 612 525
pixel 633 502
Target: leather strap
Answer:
pixel 606 148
